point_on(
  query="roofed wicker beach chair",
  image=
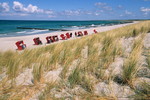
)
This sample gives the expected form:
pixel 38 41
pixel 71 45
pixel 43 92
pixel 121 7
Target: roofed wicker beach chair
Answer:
pixel 20 45
pixel 95 31
pixel 55 38
pixel 67 35
pixel 85 33
pixel 63 37
pixel 80 33
pixel 49 39
pixel 37 41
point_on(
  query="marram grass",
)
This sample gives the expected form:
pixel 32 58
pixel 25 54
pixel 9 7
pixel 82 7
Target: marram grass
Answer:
pixel 131 66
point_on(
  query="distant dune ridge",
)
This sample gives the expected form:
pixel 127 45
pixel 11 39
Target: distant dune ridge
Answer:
pixel 112 64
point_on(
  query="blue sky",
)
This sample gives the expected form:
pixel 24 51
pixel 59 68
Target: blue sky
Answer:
pixel 74 9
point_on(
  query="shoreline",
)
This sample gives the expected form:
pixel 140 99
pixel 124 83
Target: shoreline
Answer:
pixel 8 43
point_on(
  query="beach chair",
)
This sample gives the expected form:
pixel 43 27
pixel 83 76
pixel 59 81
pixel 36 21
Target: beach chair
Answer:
pixel 37 41
pixel 49 39
pixel 95 31
pixel 55 38
pixel 67 35
pixel 80 33
pixel 20 45
pixel 85 33
pixel 63 37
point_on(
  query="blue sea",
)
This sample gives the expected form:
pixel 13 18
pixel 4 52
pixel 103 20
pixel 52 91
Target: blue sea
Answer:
pixel 10 28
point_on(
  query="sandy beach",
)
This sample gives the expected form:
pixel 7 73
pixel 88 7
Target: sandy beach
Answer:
pixel 8 43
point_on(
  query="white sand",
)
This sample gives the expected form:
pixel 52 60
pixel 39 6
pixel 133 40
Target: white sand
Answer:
pixel 8 43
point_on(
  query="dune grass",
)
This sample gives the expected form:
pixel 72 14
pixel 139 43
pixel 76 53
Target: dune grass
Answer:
pixel 37 73
pixel 75 77
pixel 143 93
pixel 45 95
pixel 109 50
pixel 131 66
pixel 102 50
pixel 148 58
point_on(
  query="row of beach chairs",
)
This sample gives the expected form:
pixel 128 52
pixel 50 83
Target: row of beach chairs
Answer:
pixel 51 39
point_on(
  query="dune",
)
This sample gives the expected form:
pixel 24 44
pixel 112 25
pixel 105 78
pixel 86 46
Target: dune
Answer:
pixel 112 64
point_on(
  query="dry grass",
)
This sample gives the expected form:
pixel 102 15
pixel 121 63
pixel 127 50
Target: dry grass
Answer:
pixel 131 66
pixel 143 93
pixel 45 95
pixel 37 73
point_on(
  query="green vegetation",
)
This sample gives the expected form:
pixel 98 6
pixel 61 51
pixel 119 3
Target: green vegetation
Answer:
pixel 143 93
pixel 130 66
pixel 37 73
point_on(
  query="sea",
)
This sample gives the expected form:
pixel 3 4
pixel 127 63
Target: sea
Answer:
pixel 13 28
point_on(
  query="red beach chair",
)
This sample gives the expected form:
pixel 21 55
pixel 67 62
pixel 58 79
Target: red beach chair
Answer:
pixel 63 37
pixel 67 35
pixel 37 41
pixel 95 31
pixel 20 45
pixel 85 33
pixel 55 38
pixel 80 33
pixel 48 39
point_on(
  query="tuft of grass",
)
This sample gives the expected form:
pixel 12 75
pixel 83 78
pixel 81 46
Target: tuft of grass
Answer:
pixel 109 50
pixel 45 95
pixel 37 73
pixel 13 69
pixel 129 70
pixel 135 33
pixel 143 93
pixel 148 61
pixel 75 77
pixel 64 72
pixel 130 66
pixel 4 97
pixel 148 58
pixel 87 84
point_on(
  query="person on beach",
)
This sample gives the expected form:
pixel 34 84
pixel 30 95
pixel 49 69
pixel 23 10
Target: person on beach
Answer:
pixel 70 34
pixel 76 34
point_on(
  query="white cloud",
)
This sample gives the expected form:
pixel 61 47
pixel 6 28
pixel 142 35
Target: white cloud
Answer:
pixel 143 9
pixel 13 14
pixel 49 11
pixel 103 6
pixel 121 15
pixel 19 7
pixel 71 12
pixel 30 9
pixel 146 11
pixel 51 16
pixel 4 7
pixel 128 12
pixel 100 4
pixel 33 9
pixel 97 14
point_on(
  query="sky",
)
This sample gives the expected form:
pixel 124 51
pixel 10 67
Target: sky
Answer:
pixel 74 9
